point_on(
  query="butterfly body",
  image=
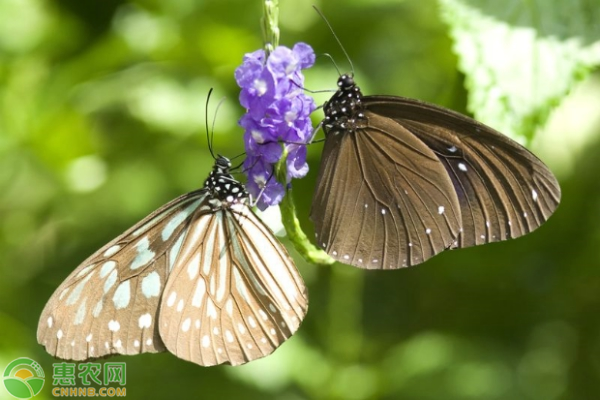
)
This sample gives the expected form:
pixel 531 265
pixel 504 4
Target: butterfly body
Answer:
pixel 402 180
pixel 201 277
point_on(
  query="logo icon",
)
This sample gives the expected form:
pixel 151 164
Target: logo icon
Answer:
pixel 23 378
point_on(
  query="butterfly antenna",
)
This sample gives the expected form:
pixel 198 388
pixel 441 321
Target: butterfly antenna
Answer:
pixel 209 138
pixel 333 62
pixel 212 128
pixel 240 164
pixel 336 39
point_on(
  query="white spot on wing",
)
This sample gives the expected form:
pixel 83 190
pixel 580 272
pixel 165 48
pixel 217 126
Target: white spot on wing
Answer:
pixel 97 309
pixel 211 311
pixel 59 334
pixel 534 195
pixel 50 320
pixel 145 321
pixel 263 315
pixel 122 295
pixel 88 338
pixel 194 266
pixel 111 251
pixel 205 341
pixel 175 251
pixel 199 293
pixel 171 299
pixel 462 166
pixel 144 254
pixel 186 325
pixel 180 305
pixel 107 267
pixel 113 325
pixel 63 293
pixel 84 271
pixel 80 316
pixel 178 219
pixel 110 281
pixel 441 210
pixel 151 285
pixel 76 293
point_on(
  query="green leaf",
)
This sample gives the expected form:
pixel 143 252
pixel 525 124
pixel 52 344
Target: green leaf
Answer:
pixel 521 58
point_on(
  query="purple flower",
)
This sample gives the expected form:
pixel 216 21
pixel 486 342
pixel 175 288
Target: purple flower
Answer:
pixel 277 117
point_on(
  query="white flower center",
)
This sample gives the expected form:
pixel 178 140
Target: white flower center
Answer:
pixel 257 136
pixel 291 67
pixel 260 180
pixel 260 86
pixel 290 117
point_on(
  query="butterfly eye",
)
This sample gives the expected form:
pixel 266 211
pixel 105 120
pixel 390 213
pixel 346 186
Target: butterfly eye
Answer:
pixel 346 82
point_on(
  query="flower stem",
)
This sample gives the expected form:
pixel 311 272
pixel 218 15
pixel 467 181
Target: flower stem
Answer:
pixel 292 226
pixel 270 22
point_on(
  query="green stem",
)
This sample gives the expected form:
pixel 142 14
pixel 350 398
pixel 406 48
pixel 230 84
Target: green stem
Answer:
pixel 290 221
pixel 292 226
pixel 270 22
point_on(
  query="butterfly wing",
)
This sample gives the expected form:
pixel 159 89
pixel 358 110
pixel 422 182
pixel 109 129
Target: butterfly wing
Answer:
pixel 234 294
pixel 383 200
pixel 504 190
pixel 109 304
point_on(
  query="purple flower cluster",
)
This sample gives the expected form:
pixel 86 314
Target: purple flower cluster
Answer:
pixel 277 117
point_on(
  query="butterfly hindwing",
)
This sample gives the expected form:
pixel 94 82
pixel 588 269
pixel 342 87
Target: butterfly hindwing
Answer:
pixel 109 304
pixel 504 190
pixel 241 301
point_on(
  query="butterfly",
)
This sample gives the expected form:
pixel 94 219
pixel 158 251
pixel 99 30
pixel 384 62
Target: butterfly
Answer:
pixel 202 277
pixel 402 180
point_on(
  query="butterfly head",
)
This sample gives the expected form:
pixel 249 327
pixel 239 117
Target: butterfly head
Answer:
pixel 344 111
pixel 346 82
pixel 222 185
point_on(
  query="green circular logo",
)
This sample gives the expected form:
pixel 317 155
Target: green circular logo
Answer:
pixel 23 378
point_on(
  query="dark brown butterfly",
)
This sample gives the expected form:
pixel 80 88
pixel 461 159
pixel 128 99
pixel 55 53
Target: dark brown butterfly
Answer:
pixel 402 180
pixel 202 277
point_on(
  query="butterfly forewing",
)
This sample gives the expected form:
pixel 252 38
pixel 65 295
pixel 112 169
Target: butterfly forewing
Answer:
pixel 237 304
pixel 382 200
pixel 202 277
pixel 109 304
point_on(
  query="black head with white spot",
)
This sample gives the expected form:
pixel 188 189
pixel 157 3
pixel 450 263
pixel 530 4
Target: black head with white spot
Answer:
pixel 222 184
pixel 344 111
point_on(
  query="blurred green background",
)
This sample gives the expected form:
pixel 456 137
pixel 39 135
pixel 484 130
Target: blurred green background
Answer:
pixel 102 121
